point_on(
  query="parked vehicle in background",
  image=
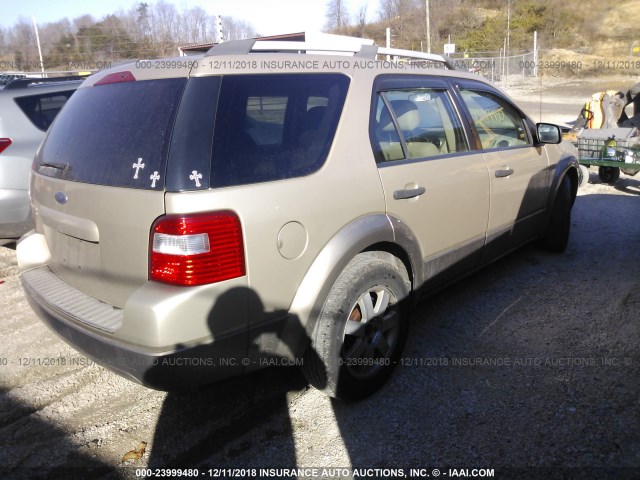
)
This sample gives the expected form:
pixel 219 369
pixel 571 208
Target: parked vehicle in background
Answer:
pixel 6 78
pixel 27 109
pixel 230 211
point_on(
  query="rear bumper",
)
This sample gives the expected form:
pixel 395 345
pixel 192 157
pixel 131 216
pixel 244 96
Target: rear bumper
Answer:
pixel 164 369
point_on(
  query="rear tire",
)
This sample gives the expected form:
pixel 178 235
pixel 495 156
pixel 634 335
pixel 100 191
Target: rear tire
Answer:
pixel 361 329
pixel 556 237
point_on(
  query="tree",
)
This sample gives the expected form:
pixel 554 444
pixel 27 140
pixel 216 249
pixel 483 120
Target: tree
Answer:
pixel 361 20
pixel 235 29
pixel 165 26
pixel 142 19
pixel 337 16
pixel 488 37
pixel 22 42
pixel 195 26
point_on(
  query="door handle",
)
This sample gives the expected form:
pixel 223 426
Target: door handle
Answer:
pixel 410 193
pixel 507 172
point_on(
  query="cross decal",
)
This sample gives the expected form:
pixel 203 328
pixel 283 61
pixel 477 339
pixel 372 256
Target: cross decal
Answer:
pixel 153 179
pixel 195 176
pixel 137 166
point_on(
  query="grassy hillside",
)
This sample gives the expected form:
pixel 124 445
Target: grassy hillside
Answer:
pixel 481 25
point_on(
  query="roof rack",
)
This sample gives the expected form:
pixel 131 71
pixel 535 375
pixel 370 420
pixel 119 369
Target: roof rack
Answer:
pixel 364 50
pixel 24 82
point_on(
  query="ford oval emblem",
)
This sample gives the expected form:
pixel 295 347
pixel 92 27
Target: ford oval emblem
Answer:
pixel 61 198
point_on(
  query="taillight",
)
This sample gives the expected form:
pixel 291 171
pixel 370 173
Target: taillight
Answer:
pixel 4 143
pixel 196 249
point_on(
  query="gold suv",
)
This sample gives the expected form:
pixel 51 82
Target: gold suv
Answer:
pixel 203 217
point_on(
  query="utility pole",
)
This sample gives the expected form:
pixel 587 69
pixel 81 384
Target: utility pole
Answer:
pixel 535 53
pixel 428 18
pixel 219 30
pixel 508 26
pixel 35 27
pixel 388 40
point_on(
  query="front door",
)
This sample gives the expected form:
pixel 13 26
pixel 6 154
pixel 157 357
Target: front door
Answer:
pixel 517 170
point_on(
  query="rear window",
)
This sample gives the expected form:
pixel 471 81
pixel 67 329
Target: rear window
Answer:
pixel 116 134
pixel 42 109
pixel 272 127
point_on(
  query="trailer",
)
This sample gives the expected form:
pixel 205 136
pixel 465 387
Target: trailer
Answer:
pixel 612 150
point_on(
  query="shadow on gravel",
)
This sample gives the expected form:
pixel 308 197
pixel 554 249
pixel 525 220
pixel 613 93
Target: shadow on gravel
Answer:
pixel 527 366
pixel 27 448
pixel 194 426
pixel 628 185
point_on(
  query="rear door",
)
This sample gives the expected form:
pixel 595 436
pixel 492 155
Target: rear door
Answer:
pixel 98 183
pixel 433 182
pixel 518 170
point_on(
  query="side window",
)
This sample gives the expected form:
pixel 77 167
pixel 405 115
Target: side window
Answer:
pixel 43 109
pixel 389 144
pixel 272 127
pixel 498 123
pixel 416 123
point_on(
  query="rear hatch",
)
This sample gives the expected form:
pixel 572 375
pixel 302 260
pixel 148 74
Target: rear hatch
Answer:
pixel 98 182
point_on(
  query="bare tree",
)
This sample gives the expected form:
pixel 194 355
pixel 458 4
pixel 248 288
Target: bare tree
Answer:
pixel 83 21
pixel 22 43
pixel 165 26
pixel 195 25
pixel 361 20
pixel 236 29
pixel 337 15
pixel 387 11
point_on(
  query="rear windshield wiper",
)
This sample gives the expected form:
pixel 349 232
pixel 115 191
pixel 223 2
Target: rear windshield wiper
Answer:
pixel 58 166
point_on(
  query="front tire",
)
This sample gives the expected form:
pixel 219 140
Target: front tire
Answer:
pixel 556 237
pixel 361 329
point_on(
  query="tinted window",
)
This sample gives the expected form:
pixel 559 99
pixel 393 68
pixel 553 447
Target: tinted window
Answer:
pixel 42 109
pixel 271 127
pixel 265 119
pixel 425 120
pixel 115 134
pixel 498 123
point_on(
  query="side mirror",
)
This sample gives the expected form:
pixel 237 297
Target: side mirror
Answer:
pixel 548 133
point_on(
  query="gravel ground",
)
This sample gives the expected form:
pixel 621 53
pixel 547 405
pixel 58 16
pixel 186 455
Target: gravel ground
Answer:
pixel 529 367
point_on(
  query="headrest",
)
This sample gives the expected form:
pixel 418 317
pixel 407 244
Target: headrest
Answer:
pixel 406 112
pixel 313 117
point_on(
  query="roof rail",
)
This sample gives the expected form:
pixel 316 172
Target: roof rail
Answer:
pixel 364 50
pixel 24 82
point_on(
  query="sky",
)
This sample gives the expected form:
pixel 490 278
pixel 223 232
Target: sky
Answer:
pixel 268 17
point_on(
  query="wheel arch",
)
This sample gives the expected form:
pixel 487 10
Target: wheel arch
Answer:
pixel 366 234
pixel 398 252
pixel 567 167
